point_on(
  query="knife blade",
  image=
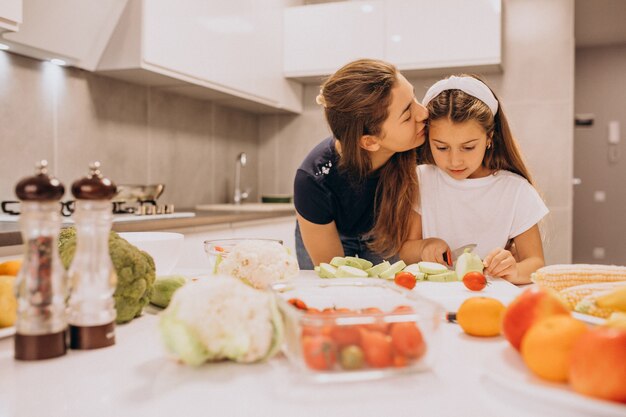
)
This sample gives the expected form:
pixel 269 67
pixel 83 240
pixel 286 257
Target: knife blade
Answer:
pixel 451 256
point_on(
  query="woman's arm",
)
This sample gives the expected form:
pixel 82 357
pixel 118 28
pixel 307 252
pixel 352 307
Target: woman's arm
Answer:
pixel 321 241
pixel 501 263
pixel 416 249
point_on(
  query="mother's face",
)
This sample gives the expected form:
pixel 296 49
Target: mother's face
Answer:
pixel 404 128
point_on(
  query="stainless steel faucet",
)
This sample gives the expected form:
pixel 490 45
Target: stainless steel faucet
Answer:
pixel 238 195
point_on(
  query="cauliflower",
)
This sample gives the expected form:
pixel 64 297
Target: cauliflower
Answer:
pixel 259 263
pixel 134 268
pixel 221 318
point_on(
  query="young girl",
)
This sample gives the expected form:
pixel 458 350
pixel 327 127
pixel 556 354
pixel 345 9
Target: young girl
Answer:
pixel 479 189
pixel 355 192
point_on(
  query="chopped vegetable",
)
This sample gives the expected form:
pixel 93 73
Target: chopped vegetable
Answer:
pixel 220 319
pixel 474 281
pixel 405 279
pixel 164 288
pixel 468 262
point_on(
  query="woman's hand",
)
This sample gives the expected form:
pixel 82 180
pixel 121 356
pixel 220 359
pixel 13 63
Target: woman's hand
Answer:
pixel 501 263
pixel 433 250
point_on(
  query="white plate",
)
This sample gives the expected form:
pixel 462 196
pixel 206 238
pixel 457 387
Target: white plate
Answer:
pixel 509 385
pixel 7 331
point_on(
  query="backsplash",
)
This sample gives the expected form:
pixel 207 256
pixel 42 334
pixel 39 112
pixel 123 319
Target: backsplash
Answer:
pixel 71 117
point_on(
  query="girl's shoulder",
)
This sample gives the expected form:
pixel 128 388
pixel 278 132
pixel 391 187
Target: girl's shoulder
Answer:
pixel 511 177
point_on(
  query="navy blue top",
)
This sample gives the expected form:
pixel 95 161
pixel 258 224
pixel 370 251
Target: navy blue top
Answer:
pixel 323 193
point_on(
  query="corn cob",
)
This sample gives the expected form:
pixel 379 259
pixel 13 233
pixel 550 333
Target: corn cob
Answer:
pixel 588 306
pixel 616 298
pixel 559 277
pixel 572 295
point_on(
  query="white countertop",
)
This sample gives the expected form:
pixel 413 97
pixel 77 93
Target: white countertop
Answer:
pixel 136 378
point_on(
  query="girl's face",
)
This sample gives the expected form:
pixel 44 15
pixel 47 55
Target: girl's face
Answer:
pixel 459 148
pixel 404 128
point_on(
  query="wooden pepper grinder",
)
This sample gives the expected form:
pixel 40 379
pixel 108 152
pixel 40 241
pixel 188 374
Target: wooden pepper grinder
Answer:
pixel 41 290
pixel 91 307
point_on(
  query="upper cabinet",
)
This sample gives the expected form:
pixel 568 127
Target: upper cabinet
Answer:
pixel 228 52
pixel 321 38
pixel 418 36
pixel 75 31
pixel 10 15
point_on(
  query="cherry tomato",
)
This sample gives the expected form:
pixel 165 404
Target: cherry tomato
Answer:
pixel 345 335
pixel 379 325
pixel 405 279
pixel 351 357
pixel 320 352
pixel 298 303
pixel 407 340
pixel 377 348
pixel 474 281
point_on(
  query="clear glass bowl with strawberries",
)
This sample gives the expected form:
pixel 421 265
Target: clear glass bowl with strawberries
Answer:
pixel 356 329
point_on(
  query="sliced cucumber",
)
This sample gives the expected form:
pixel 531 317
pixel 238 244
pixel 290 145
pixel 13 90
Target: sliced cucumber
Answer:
pixel 317 269
pixel 338 261
pixel 327 271
pixel 431 268
pixel 357 262
pixel 448 276
pixel 350 272
pixel 375 271
pixel 391 272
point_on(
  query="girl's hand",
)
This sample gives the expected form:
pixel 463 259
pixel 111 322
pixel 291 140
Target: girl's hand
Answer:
pixel 434 249
pixel 501 263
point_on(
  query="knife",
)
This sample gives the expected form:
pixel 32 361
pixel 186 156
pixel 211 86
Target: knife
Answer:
pixel 451 256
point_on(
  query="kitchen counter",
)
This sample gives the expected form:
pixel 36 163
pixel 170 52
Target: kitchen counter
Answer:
pixel 137 378
pixel 10 231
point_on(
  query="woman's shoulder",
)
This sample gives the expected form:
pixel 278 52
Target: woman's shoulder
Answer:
pixel 321 159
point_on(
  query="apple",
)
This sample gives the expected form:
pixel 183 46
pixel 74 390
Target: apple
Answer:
pixel 598 364
pixel 531 305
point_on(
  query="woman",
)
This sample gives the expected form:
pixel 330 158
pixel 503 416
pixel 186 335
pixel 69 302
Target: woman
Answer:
pixel 355 192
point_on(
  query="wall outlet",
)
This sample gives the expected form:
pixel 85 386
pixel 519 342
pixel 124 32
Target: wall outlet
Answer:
pixel 599 253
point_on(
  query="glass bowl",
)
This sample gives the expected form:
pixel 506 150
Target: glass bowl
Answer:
pixel 217 249
pixel 357 329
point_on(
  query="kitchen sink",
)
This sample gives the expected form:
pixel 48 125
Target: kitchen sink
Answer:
pixel 247 207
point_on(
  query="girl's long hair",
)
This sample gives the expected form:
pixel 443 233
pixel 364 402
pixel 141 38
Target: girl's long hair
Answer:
pixel 459 107
pixel 356 99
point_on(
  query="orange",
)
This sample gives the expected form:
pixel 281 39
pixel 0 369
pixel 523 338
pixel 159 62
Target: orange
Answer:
pixel 8 302
pixel 11 267
pixel 547 346
pixel 481 316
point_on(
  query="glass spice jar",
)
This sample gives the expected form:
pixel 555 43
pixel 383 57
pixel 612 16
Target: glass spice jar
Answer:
pixel 41 290
pixel 91 307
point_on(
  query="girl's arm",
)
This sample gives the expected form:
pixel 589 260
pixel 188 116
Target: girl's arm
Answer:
pixel 501 263
pixel 321 241
pixel 416 249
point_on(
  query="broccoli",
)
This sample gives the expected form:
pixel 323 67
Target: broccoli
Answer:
pixel 134 268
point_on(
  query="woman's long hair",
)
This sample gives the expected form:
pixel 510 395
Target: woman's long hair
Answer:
pixel 356 100
pixel 459 107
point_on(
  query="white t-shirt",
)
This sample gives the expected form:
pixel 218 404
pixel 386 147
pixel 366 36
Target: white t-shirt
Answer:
pixel 487 211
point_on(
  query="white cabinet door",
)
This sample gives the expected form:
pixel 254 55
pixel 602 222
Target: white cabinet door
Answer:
pixel 245 44
pixel 415 35
pixel 10 15
pixel 176 35
pixel 424 34
pixel 321 38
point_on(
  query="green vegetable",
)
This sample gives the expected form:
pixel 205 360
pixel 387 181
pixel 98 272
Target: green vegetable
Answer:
pixel 134 268
pixel 468 262
pixel 350 271
pixel 448 276
pixel 164 288
pixel 391 272
pixel 351 357
pixel 375 271
pixel 431 268
pixel 327 271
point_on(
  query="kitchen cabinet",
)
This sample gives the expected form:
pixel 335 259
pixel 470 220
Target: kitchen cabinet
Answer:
pixel 446 34
pixel 228 52
pixel 76 31
pixel 418 36
pixel 10 15
pixel 321 38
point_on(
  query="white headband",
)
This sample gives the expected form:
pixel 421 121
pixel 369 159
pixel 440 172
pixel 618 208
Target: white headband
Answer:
pixel 469 85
